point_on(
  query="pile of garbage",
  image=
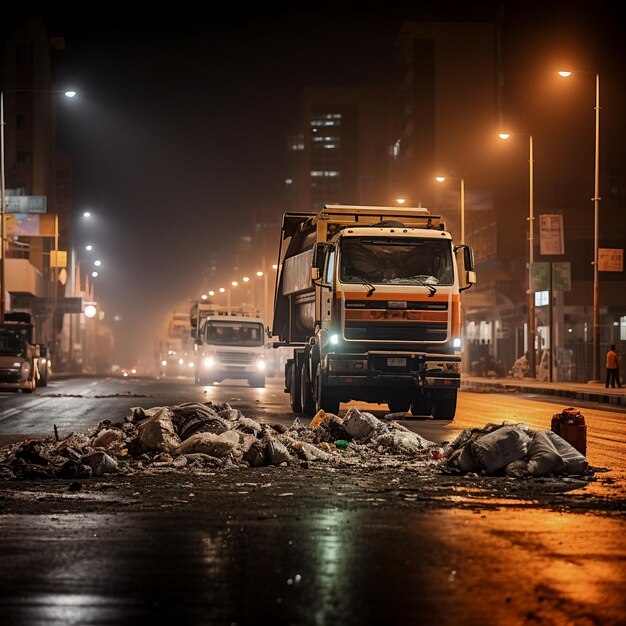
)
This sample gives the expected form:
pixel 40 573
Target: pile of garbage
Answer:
pixel 200 435
pixel 197 436
pixel 514 450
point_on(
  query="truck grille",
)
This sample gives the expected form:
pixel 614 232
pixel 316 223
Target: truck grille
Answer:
pixel 9 375
pixel 397 331
pixel 236 358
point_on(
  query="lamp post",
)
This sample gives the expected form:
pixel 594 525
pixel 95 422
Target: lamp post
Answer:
pixel 442 179
pixel 596 227
pixel 531 220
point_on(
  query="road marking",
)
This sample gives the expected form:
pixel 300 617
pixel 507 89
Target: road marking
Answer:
pixel 8 413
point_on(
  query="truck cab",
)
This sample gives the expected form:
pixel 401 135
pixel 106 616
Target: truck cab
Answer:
pixel 228 346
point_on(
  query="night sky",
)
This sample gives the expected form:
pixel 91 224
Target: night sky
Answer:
pixel 180 128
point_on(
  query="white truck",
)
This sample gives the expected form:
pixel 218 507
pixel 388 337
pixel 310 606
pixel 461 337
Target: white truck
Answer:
pixel 369 299
pixel 230 344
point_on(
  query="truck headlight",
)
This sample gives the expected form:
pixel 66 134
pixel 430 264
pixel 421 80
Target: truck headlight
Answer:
pixel 208 361
pixel 456 342
pixel 260 363
pixel 334 339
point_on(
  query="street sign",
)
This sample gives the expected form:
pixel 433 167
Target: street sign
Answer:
pixel 540 276
pixel 58 258
pixel 69 305
pixel 551 234
pixel 610 260
pixel 561 276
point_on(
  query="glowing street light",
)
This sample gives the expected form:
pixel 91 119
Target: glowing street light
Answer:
pixel 531 294
pixel 596 228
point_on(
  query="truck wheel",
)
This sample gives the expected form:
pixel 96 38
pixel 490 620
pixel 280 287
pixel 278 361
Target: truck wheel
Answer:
pixel 43 377
pixel 398 406
pixel 306 394
pixel 294 388
pixel 420 406
pixel 256 381
pixel 324 399
pixel 443 405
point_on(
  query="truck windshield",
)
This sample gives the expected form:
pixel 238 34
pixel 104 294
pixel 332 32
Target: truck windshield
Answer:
pixel 11 343
pixel 396 260
pixel 230 334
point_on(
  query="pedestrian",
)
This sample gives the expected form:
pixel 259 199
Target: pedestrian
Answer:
pixel 612 367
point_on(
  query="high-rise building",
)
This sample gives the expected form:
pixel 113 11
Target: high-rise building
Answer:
pixel 338 152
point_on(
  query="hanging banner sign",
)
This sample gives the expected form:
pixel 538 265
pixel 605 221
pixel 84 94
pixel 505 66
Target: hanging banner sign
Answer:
pixel 551 235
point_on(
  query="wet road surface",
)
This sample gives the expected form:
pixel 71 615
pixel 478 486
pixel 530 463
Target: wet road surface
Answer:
pixel 309 546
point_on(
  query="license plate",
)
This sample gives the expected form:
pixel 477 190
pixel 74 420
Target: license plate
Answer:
pixel 395 362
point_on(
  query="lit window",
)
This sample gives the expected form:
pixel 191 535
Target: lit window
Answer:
pixel 542 298
pixel 325 173
pixel 296 147
pixel 395 149
pixel 288 181
pixel 622 328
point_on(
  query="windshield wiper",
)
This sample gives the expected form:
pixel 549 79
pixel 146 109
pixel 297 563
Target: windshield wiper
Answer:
pixel 366 283
pixel 428 286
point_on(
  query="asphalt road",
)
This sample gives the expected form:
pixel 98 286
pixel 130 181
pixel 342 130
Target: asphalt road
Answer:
pixel 312 545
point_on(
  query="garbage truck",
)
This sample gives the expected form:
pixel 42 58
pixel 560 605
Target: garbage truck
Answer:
pixel 24 364
pixel 230 344
pixel 369 299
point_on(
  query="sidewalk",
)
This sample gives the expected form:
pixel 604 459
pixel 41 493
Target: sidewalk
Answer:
pixel 590 392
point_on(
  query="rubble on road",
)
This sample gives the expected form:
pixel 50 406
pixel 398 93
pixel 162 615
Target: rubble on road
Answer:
pixel 206 436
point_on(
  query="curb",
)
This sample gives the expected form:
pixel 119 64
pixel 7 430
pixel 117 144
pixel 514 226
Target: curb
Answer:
pixel 561 392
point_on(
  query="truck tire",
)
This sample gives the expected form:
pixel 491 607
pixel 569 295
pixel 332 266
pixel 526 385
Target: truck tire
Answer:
pixel 420 406
pixel 307 401
pixel 257 381
pixel 43 377
pixel 443 405
pixel 294 387
pixel 324 400
pixel 399 406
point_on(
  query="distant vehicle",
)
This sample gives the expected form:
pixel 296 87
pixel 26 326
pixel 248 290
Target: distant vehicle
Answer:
pixel 230 344
pixel 176 351
pixel 23 364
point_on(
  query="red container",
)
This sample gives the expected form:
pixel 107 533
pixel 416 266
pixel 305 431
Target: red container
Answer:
pixel 570 425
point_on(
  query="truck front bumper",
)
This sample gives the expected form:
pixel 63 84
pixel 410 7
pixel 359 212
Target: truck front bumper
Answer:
pixel 405 370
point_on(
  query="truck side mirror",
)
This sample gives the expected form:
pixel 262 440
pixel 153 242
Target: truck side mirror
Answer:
pixel 319 258
pixel 465 264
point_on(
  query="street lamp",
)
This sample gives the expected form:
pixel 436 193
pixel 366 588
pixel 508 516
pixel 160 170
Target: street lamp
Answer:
pixel 531 219
pixel 68 94
pixel 596 228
